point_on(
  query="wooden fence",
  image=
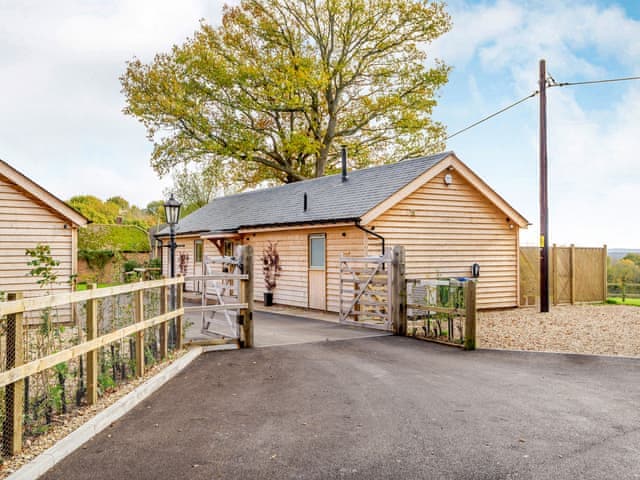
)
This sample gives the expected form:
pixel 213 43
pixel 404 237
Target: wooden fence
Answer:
pixel 376 294
pixel 372 291
pixel 17 370
pixel 576 275
pixel 443 311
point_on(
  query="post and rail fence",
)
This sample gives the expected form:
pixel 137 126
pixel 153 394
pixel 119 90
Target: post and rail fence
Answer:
pixel 624 290
pixel 47 367
pixel 443 311
pixel 30 350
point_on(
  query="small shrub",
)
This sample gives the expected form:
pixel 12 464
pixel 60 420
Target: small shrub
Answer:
pixel 130 265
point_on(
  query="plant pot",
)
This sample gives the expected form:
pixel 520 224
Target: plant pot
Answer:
pixel 268 299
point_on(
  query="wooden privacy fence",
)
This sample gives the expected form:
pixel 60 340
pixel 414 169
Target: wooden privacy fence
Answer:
pixel 576 275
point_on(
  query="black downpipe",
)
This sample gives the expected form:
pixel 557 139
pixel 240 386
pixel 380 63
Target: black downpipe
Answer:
pixel 371 232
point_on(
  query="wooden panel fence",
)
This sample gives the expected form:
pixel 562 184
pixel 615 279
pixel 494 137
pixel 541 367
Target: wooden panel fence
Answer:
pixel 576 275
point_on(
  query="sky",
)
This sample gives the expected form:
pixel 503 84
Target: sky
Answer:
pixel 61 120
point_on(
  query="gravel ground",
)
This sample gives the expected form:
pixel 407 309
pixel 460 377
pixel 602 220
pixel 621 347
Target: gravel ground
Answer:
pixel 592 329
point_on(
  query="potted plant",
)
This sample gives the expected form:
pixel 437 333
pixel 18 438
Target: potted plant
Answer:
pixel 271 270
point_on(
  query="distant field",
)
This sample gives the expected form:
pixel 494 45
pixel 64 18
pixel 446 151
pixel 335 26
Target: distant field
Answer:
pixel 628 301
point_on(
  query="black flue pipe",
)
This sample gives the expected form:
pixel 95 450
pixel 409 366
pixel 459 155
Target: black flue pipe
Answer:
pixel 344 164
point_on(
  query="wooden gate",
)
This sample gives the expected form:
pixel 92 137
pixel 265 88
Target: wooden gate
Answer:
pixel 365 291
pixel 226 298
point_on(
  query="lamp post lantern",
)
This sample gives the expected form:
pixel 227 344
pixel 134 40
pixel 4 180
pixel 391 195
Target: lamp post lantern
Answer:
pixel 172 214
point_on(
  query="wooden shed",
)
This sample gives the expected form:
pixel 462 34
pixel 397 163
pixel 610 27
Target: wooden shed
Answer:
pixel 30 215
pixel 445 216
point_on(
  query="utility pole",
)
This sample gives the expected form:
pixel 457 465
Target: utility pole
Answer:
pixel 544 202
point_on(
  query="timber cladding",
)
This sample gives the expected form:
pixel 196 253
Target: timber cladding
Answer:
pixel 293 283
pixel 24 223
pixel 576 275
pixel 447 228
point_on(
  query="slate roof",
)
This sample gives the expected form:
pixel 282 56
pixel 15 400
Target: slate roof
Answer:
pixel 329 199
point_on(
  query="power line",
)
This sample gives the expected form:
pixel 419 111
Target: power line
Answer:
pixel 551 83
pixel 493 114
pixel 591 82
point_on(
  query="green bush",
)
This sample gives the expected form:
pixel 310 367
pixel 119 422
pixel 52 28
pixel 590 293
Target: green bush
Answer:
pixel 130 265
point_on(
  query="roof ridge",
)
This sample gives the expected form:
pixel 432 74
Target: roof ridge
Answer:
pixel 300 182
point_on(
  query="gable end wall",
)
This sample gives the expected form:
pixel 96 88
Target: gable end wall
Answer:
pixel 445 229
pixel 24 222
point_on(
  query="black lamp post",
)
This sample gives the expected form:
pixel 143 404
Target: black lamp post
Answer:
pixel 172 214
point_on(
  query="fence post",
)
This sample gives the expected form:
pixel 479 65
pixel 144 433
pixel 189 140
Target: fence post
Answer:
pixel 246 296
pixel 164 326
pixel 572 262
pixel 471 313
pixel 398 294
pixel 554 269
pixel 139 336
pixel 179 304
pixel 605 280
pixel 14 392
pixel 92 356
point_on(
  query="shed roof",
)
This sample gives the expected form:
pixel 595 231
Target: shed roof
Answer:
pixel 36 191
pixel 329 199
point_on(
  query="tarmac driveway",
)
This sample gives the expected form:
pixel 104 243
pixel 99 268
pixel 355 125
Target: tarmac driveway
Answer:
pixel 280 329
pixel 378 408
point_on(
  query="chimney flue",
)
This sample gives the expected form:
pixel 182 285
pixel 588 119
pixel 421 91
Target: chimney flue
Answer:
pixel 344 164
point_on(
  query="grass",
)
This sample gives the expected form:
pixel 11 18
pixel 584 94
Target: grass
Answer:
pixel 628 301
pixel 83 286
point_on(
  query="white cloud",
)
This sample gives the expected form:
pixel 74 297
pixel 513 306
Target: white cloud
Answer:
pixel 474 26
pixel 593 136
pixel 61 105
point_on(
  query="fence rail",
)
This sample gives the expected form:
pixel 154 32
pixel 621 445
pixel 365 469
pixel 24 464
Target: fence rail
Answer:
pixel 624 290
pixel 430 302
pixel 86 339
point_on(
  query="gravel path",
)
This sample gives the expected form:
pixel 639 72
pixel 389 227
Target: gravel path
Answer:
pixel 593 329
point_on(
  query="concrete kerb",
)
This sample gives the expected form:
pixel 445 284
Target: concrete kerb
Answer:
pixel 46 460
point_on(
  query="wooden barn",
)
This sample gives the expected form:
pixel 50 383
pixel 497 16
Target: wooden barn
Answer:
pixel 445 216
pixel 30 215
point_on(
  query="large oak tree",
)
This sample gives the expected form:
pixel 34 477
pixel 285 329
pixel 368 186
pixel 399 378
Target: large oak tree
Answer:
pixel 281 84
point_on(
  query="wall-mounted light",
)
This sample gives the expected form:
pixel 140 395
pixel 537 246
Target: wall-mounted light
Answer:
pixel 475 270
pixel 448 179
